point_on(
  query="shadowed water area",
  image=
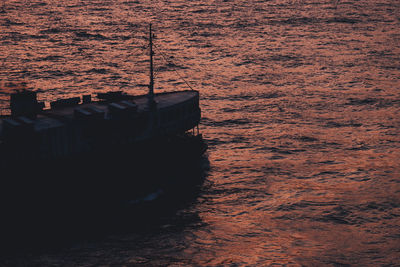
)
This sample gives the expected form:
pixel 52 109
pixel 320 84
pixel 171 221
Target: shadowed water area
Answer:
pixel 301 111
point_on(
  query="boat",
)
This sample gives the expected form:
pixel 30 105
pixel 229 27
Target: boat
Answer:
pixel 85 154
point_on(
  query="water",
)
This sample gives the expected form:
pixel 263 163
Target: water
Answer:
pixel 300 103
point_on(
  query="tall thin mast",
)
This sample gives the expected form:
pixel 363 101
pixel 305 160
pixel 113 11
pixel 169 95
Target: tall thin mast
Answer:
pixel 151 84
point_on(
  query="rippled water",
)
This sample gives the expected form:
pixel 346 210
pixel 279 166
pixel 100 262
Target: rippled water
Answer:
pixel 300 104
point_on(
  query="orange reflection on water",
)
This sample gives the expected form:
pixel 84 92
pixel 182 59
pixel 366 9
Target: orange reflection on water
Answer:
pixel 300 110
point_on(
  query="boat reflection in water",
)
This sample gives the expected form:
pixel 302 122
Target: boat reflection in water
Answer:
pixel 78 164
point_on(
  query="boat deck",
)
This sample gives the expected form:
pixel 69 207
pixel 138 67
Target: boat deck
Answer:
pixel 53 117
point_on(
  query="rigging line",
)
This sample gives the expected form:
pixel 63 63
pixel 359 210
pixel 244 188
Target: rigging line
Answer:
pixel 172 65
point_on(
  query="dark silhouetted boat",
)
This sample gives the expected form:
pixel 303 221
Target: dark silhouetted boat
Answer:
pixel 85 155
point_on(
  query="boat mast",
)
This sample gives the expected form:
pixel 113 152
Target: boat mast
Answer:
pixel 151 84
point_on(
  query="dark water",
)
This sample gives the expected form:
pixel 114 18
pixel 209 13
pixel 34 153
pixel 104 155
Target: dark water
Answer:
pixel 301 112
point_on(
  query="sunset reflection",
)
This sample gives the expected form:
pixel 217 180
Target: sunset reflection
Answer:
pixel 300 109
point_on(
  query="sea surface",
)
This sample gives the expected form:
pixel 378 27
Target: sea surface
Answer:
pixel 301 111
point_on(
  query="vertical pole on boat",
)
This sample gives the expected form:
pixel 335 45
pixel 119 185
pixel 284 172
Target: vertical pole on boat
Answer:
pixel 151 84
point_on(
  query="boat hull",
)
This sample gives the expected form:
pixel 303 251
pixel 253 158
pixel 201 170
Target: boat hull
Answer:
pixel 57 199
